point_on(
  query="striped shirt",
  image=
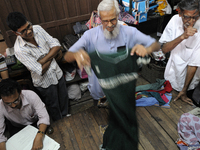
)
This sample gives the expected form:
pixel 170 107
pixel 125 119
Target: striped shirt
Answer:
pixel 3 65
pixel 29 55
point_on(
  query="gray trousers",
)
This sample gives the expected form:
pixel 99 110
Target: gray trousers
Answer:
pixel 55 98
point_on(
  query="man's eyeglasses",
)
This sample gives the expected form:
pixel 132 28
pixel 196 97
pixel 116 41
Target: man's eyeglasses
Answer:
pixel 188 18
pixel 15 102
pixel 24 32
pixel 113 21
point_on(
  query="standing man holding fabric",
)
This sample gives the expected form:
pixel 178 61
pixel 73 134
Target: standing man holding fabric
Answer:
pixel 112 38
pixel 181 38
pixel 108 37
pixel 37 50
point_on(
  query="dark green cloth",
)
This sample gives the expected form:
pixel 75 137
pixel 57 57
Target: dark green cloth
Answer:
pixel 153 86
pixel 122 131
pixel 156 95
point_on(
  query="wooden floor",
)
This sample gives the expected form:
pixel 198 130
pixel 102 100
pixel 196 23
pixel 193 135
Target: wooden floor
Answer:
pixel 157 127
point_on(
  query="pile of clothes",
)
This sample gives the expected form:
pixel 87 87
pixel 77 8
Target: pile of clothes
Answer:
pixel 158 94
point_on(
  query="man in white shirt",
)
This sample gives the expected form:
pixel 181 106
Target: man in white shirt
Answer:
pixel 182 40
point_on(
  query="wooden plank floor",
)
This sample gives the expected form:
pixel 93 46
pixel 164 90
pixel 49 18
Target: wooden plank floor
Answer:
pixel 157 127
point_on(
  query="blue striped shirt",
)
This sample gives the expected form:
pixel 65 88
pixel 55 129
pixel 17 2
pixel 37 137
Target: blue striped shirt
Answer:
pixel 29 54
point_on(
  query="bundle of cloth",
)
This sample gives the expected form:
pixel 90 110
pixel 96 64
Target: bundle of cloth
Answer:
pixel 158 94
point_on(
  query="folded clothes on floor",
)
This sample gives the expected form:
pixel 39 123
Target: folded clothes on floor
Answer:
pixel 158 94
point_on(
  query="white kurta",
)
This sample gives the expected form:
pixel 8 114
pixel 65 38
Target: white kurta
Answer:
pixel 181 56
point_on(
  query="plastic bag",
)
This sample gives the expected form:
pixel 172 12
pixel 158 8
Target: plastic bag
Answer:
pixel 82 74
pixel 74 92
pixel 163 7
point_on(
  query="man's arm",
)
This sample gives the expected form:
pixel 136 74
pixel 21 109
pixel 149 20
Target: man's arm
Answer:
pixel 3 146
pixel 81 57
pixel 140 50
pixel 189 76
pixel 46 60
pixel 3 139
pixel 53 43
pixel 4 74
pixel 52 53
pixel 38 141
pixel 169 46
pixel 153 47
pixel 43 117
pixel 45 67
pixel 70 56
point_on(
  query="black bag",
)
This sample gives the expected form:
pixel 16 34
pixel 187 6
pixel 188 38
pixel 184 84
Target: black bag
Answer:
pixel 11 60
pixel 196 94
pixel 69 40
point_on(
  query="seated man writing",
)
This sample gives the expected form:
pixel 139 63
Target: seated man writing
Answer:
pixel 19 108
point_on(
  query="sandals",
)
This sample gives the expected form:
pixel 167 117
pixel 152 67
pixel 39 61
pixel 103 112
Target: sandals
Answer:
pixel 102 102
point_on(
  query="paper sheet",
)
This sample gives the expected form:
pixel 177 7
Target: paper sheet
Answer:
pixel 23 140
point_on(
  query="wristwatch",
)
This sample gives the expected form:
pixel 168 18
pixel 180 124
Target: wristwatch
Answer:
pixel 40 132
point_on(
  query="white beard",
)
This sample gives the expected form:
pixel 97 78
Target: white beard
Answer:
pixel 113 34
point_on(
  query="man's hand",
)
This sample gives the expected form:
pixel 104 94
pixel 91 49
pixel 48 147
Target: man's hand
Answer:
pixel 41 61
pixel 3 146
pixel 189 31
pixel 82 59
pixel 140 50
pixel 53 52
pixel 38 142
pixel 182 95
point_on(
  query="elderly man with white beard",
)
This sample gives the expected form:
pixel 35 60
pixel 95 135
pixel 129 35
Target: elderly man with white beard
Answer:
pixel 112 51
pixel 108 38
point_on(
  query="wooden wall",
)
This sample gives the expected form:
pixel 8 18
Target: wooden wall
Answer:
pixel 57 17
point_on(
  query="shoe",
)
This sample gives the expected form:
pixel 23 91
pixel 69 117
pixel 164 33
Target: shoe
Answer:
pixel 68 115
pixel 100 147
pixel 102 103
pixel 49 130
pixel 102 129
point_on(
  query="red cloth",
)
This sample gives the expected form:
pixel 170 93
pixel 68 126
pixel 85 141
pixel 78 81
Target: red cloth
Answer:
pixel 167 88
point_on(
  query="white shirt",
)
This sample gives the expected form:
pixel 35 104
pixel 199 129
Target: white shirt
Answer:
pixel 181 56
pixel 29 54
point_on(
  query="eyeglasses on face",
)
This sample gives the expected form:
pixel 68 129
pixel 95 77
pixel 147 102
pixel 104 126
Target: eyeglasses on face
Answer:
pixel 15 101
pixel 113 21
pixel 188 18
pixel 24 32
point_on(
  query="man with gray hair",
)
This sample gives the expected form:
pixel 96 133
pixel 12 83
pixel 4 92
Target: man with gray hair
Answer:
pixel 110 38
pixel 181 39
